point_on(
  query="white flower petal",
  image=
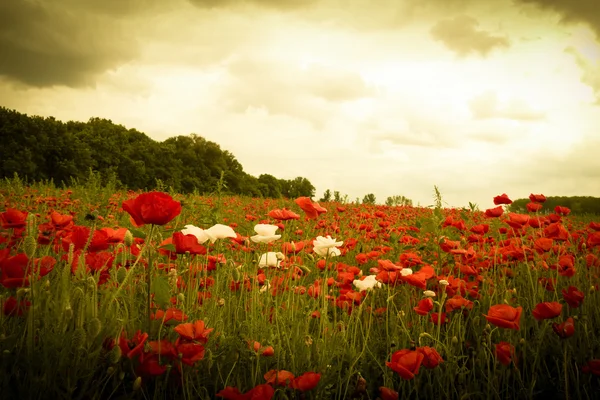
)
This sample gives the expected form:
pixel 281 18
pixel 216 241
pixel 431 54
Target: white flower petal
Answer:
pixel 265 229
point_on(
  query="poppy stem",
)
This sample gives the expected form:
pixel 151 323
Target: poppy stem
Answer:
pixel 149 278
pixel 566 372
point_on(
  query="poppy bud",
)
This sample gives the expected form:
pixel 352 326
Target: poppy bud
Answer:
pixel 94 327
pixel 29 245
pixel 128 239
pixel 137 384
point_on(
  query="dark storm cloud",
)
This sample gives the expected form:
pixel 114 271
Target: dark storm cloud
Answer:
pixel 572 11
pixel 461 35
pixel 274 4
pixel 65 42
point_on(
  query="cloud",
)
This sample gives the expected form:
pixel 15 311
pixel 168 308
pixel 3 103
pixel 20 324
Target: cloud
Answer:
pixel 591 71
pixel 461 35
pixel 572 11
pixel 66 42
pixel 274 4
pixel 488 106
pixel 312 93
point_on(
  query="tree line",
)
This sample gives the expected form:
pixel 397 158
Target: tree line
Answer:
pixel 577 204
pixel 45 149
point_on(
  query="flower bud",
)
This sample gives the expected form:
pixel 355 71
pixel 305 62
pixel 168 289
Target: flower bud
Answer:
pixel 137 384
pixel 128 239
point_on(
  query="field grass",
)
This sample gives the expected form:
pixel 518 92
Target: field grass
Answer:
pixel 460 304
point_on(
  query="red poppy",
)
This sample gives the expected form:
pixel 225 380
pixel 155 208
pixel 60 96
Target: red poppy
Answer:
pixel 190 353
pixel 279 377
pixel 283 214
pixel 16 271
pixel 537 198
pixel 12 307
pixel 504 316
pixel 547 310
pixel 312 210
pixel 259 392
pixel 494 212
pixel 194 331
pixel 505 353
pixel 502 199
pixel 432 358
pixel 388 394
pixel 533 207
pixel 573 296
pixel 457 302
pixel 152 208
pixel 562 210
pixel 13 219
pixel 406 363
pixel 187 244
pixel 566 329
pixel 134 346
pixel 592 367
pixel 424 306
pixel 150 366
pixel 436 318
pixel 306 381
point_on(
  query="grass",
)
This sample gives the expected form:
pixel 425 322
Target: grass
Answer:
pixel 77 331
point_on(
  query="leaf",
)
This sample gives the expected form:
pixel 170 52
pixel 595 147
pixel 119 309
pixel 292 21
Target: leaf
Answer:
pixel 168 247
pixel 137 233
pixel 161 291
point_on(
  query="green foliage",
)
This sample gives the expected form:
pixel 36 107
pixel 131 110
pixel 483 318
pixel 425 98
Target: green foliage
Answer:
pixel 398 200
pixel 369 199
pixel 40 149
pixel 326 196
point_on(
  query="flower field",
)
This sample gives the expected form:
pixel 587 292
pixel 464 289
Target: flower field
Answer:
pixel 113 294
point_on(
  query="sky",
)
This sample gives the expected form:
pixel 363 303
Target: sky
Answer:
pixel 390 97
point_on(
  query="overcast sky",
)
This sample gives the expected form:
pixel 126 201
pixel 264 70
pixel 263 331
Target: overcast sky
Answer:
pixel 478 97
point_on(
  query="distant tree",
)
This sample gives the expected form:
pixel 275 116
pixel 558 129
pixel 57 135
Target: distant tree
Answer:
pixel 398 200
pixel 271 185
pixel 369 199
pixel 326 196
pixel 336 196
pixel 38 148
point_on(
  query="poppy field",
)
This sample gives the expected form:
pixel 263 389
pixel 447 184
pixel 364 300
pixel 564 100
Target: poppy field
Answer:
pixel 109 294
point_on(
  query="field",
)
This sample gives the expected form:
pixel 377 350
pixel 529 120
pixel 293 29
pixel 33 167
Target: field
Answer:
pixel 289 299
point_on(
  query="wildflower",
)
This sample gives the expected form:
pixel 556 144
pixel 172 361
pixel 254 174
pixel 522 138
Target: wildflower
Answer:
pixel 537 198
pixel 367 283
pixel 406 363
pixel 194 331
pixel 429 293
pixel 271 259
pixel 152 208
pixel 573 296
pixel 311 209
pixel 388 394
pixel 283 214
pixel 220 231
pixel 200 233
pixel 306 381
pixel 502 199
pixel 187 244
pixel 547 310
pixel 566 329
pixel 325 246
pixel 279 377
pixel 505 353
pixel 592 367
pixel 265 233
pixel 432 358
pixel 505 316
pixel 424 306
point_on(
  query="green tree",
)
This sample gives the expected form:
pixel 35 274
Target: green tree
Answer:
pixel 369 199
pixel 326 196
pixel 398 200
